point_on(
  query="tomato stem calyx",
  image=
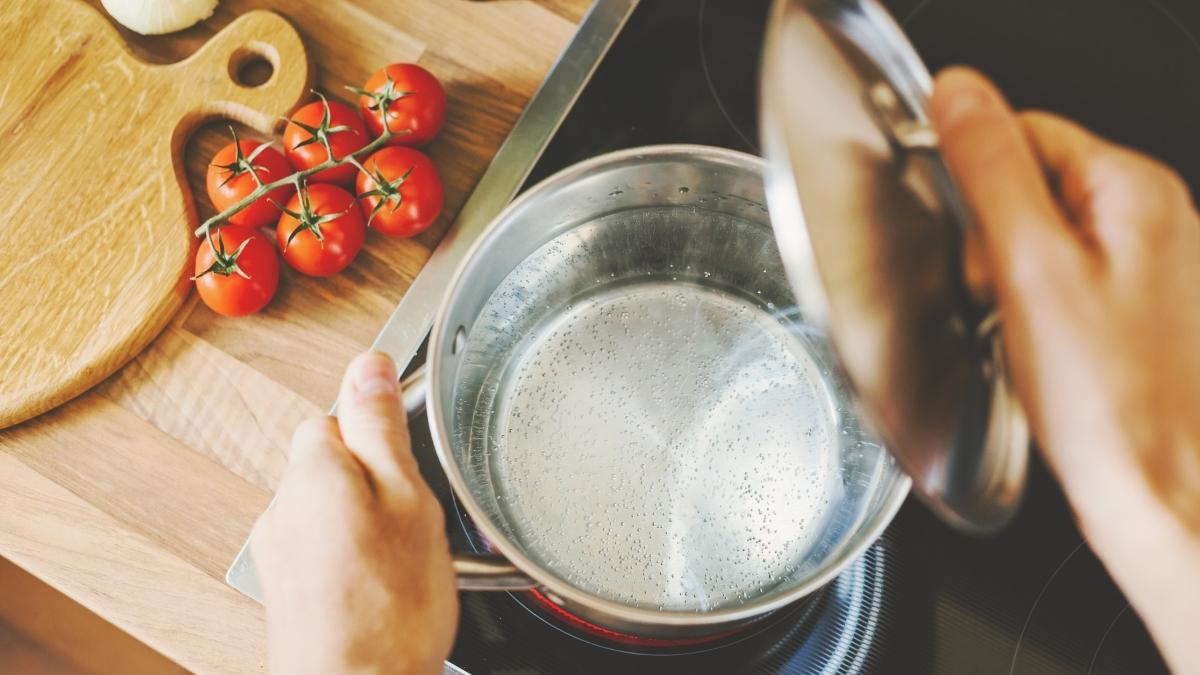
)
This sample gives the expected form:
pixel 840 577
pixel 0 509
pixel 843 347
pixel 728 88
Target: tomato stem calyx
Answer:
pixel 243 163
pixel 224 263
pixel 383 99
pixel 321 132
pixel 307 218
pixel 388 191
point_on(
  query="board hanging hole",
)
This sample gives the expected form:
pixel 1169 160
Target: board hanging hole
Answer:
pixel 252 66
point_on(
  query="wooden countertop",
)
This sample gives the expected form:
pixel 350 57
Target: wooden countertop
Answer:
pixel 134 498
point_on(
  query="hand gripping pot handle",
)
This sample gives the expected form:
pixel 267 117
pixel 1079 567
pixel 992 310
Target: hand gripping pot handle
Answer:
pixel 474 571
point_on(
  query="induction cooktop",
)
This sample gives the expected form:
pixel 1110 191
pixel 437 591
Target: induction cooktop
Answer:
pixel 924 599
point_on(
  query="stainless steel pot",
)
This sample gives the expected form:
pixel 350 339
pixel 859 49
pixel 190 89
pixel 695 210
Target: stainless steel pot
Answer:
pixel 635 413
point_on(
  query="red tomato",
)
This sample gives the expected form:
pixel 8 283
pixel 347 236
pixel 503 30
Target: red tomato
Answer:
pixel 320 230
pixel 414 99
pixel 403 195
pixel 237 270
pixel 231 176
pixel 337 123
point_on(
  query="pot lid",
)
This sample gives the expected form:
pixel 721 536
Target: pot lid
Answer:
pixel 876 253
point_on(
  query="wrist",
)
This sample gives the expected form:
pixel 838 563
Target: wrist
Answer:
pixel 1149 548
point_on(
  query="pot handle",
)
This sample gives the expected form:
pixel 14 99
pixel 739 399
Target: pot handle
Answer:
pixel 488 572
pixel 473 571
pixel 414 389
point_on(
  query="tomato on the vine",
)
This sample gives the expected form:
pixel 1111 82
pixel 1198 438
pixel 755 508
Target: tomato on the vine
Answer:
pixel 237 270
pixel 402 195
pixel 413 98
pixel 320 230
pixel 324 120
pixel 237 170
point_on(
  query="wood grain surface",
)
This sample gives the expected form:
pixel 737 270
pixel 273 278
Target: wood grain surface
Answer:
pixel 95 243
pixel 66 637
pixel 134 497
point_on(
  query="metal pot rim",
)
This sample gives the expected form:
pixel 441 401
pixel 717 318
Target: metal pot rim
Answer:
pixel 545 580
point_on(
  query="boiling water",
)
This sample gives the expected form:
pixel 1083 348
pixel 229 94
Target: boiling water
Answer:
pixel 638 407
pixel 665 444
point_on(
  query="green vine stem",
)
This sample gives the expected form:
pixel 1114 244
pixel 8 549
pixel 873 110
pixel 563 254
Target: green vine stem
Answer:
pixel 330 162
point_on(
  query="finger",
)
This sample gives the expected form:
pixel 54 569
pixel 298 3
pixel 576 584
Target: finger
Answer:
pixel 263 545
pixel 1065 149
pixel 317 451
pixel 316 441
pixel 1124 199
pixel 319 468
pixel 976 270
pixel 984 145
pixel 374 425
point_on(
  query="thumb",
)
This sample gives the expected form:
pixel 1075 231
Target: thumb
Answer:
pixel 373 422
pixel 1022 226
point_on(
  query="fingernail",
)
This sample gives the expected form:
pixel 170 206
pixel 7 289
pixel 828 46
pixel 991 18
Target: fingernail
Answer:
pixel 374 374
pixel 961 96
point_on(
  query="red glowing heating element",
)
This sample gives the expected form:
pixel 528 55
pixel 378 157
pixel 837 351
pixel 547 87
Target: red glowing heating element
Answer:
pixel 617 636
pixel 609 634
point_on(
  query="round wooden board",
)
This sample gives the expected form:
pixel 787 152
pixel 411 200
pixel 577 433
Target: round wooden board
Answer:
pixel 95 227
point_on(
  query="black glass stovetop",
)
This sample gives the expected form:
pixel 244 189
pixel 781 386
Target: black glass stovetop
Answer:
pixel 924 599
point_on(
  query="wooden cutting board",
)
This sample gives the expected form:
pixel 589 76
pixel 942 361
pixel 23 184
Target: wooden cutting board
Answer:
pixel 96 215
